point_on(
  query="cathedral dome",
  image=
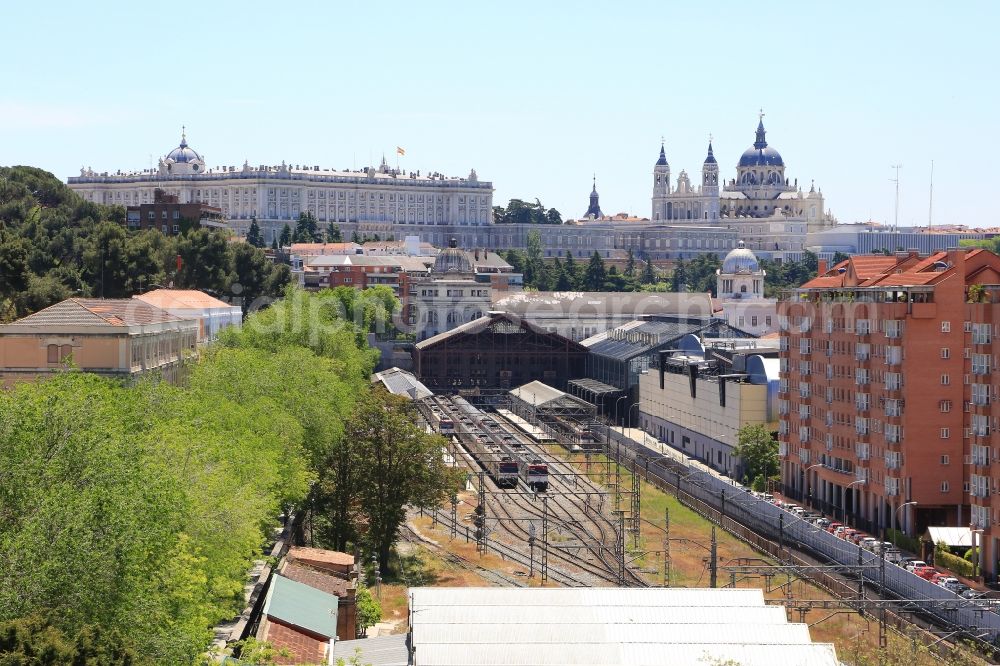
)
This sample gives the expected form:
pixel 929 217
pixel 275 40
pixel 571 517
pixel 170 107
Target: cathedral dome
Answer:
pixel 740 260
pixel 760 154
pixel 761 157
pixel 453 260
pixel 182 154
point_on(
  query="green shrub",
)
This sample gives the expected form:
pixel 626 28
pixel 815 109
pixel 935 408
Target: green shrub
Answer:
pixel 905 542
pixel 954 563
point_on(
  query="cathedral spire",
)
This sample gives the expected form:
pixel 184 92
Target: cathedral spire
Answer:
pixel 710 159
pixel 594 210
pixel 760 143
pixel 663 155
pixel 184 141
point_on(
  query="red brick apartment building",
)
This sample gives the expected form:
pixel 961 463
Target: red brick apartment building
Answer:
pixel 887 408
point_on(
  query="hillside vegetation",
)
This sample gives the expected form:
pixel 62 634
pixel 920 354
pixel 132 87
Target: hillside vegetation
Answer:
pixel 54 245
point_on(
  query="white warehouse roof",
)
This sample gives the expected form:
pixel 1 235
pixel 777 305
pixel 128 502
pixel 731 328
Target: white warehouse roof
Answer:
pixel 637 627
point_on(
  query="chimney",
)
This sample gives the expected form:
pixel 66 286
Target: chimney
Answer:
pixel 821 270
pixel 956 258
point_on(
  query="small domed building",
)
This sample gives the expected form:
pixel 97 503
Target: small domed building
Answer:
pixel 740 290
pixel 458 289
pixel 182 160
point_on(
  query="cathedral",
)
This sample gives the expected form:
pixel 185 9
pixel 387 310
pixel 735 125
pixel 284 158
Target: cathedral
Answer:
pixel 770 212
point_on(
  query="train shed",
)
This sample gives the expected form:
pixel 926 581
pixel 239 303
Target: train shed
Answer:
pixel 567 418
pixel 637 627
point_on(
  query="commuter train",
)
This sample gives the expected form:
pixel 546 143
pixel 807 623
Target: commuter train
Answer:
pixel 502 455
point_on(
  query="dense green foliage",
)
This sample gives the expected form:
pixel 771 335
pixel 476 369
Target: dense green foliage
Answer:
pixel 698 274
pixel 567 274
pixel 54 245
pixel 138 509
pixel 369 609
pixel 34 641
pixel 521 212
pixel 759 450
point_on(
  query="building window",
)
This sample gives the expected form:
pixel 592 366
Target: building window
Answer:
pixel 152 215
pixel 177 228
pixel 946 327
pixel 945 434
pixel 177 215
pixel 945 352
pixel 945 380
pixel 945 405
pixel 164 215
pixel 945 487
pixel 945 460
pixel 53 353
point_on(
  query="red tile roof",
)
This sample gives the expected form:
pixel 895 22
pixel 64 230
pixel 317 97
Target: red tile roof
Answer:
pixel 320 555
pixel 98 312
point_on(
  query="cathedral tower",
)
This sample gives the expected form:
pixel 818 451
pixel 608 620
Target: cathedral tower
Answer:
pixel 710 185
pixel 661 185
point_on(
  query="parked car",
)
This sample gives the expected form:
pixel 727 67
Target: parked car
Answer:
pixel 822 522
pixel 869 543
pixel 857 538
pixel 832 527
pixel 960 588
pixel 894 555
pixel 927 572
pixel 944 580
pixel 913 564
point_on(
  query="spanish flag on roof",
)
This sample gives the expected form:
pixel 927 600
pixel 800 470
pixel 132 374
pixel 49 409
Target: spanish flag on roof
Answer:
pixel 400 151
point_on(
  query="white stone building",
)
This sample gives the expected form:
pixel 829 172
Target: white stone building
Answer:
pixel 771 213
pixel 380 200
pixel 740 290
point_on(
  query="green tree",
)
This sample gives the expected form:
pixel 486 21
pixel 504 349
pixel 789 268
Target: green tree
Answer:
pixel 596 275
pixel 105 264
pixel 254 236
pixel 759 451
pixel 614 281
pixel 648 274
pixel 839 257
pixel 572 271
pixel 306 229
pixel 249 279
pixel 286 236
pixel 630 265
pixel 205 260
pixel 34 640
pixel 333 234
pixel 401 466
pixel 369 609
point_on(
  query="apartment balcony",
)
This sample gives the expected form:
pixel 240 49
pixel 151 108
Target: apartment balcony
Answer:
pixel 838 470
pixel 783 449
pixel 862 451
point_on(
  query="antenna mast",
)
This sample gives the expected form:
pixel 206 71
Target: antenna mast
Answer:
pixel 895 180
pixel 930 204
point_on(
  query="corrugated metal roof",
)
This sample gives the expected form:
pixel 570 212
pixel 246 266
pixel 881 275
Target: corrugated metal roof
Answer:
pixel 401 382
pixel 543 615
pixel 631 655
pixel 659 632
pixel 375 651
pixel 633 627
pixel 302 606
pixel 585 596
pixel 640 337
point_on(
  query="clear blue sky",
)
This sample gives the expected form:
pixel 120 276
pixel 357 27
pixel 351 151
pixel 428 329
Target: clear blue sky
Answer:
pixel 536 96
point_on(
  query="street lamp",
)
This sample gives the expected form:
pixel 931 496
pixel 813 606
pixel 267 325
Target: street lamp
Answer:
pixel 616 406
pixel 628 412
pixel 896 513
pixel 843 499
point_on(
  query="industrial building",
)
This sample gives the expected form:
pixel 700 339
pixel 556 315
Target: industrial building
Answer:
pixel 495 353
pixel 606 626
pixel 564 417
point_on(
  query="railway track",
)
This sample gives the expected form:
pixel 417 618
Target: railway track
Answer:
pixel 407 533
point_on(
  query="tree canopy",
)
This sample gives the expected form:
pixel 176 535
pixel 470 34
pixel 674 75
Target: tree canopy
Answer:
pixel 137 509
pixel 521 212
pixel 54 245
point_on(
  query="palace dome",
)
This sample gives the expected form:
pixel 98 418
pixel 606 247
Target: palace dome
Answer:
pixel 183 153
pixel 740 260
